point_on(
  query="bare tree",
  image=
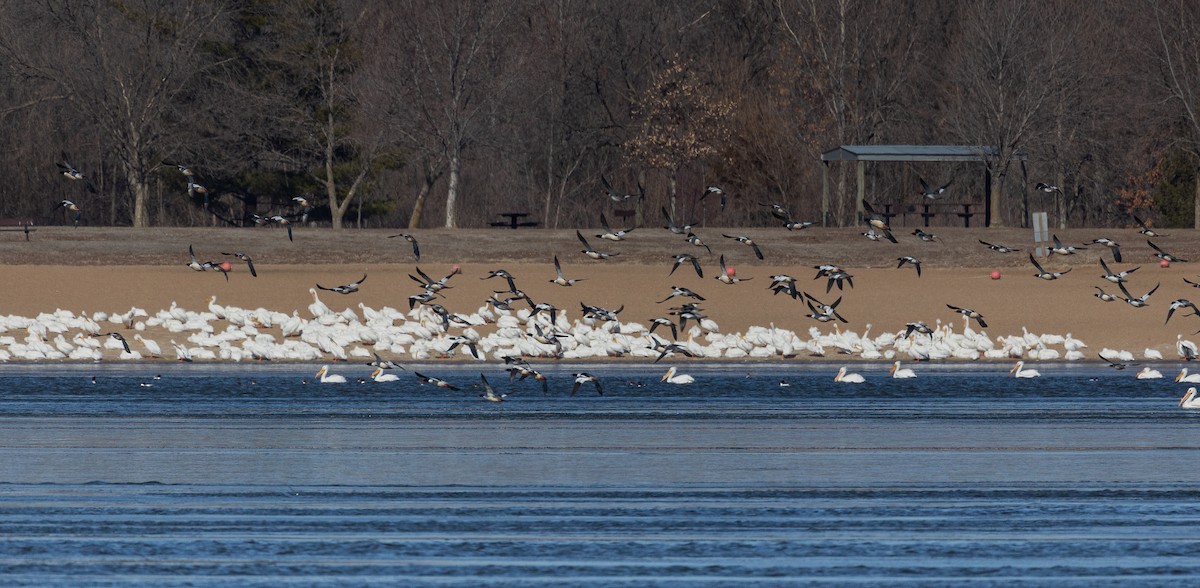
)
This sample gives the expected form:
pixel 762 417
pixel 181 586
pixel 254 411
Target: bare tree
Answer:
pixel 123 65
pixel 1175 51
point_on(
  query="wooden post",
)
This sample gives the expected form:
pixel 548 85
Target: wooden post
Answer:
pixel 861 180
pixel 824 193
pixel 987 196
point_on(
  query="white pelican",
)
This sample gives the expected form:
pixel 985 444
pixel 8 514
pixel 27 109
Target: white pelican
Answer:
pixel 1019 371
pixel 328 378
pixel 379 376
pixel 844 377
pixel 671 378
pixel 898 372
pixel 1186 378
pixel 1149 374
pixel 1189 400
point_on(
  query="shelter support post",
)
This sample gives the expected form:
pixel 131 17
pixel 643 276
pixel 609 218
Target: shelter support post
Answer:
pixel 861 180
pixel 987 196
pixel 825 194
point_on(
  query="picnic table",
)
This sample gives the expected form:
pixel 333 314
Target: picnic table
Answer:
pixel 514 220
pixel 17 224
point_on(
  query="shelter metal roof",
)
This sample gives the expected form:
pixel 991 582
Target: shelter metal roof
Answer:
pixel 913 153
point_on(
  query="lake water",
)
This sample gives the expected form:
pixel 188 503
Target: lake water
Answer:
pixel 244 476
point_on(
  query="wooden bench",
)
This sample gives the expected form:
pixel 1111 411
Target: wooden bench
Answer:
pixel 514 220
pixel 966 213
pixel 23 225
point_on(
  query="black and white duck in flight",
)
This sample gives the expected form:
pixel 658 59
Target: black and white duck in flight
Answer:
pixel 1116 278
pixel 347 289
pixel 70 207
pixel 490 394
pixel 1180 303
pixel 909 260
pixel 681 291
pixel 686 257
pixel 280 220
pixel 584 378
pixel 932 193
pixel 1163 255
pixel 727 277
pixel 458 340
pixel 121 338
pixel 1047 188
pixel 610 234
pixel 501 273
pixel 969 313
pixel 1141 301
pixel 592 253
pixel 665 323
pixel 243 257
pixel 825 309
pixel 777 211
pixel 1060 249
pixel 1105 296
pixel 744 240
pixel 1042 273
pixel 714 190
pixel 411 239
pixel 195 263
pixel 1116 249
pixel 616 196
pixel 72 173
pixel 440 383
pixel 917 327
pixel 559 279
pixel 695 240
pixel 675 228
pixel 999 248
pixel 1146 230
pixel 878 222
pixel 926 237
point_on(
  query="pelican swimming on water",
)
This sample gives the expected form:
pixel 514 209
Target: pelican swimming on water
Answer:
pixel 1019 371
pixel 379 376
pixel 899 372
pixel 672 378
pixel 1149 374
pixel 327 378
pixel 846 378
pixel 1187 378
pixel 1189 399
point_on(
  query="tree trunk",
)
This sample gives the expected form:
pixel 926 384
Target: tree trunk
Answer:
pixel 1196 203
pixel 673 186
pixel 141 194
pixel 997 205
pixel 452 190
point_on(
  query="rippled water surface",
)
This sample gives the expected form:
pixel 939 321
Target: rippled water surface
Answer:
pixel 246 476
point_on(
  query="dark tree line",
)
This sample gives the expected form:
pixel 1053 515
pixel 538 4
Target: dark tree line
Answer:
pixel 426 113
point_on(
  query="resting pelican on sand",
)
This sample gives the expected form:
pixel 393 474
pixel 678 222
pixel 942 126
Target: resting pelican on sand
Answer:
pixel 846 378
pixel 672 378
pixel 379 376
pixel 1019 371
pixel 328 378
pixel 1187 378
pixel 1189 400
pixel 1149 374
pixel 899 372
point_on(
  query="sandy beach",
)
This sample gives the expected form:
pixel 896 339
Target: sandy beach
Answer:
pixel 113 269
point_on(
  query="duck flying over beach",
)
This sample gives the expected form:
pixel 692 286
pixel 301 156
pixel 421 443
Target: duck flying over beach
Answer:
pixel 726 276
pixel 1116 278
pixel 243 257
pixel 695 240
pixel 1189 399
pixel 121 338
pixel 926 237
pixel 1019 371
pixel 385 364
pixel 999 248
pixel 847 378
pixel 1060 249
pixel 411 239
pixel 681 291
pixel 1141 301
pixel 323 376
pixel 917 327
pixel 778 211
pixel 1042 273
pixel 909 260
pixel 610 234
pixel 616 196
pixel 825 309
pixel 1163 255
pixel 837 277
pixel 70 207
pixel 1105 296
pixel 592 253
pixel 684 257
pixel 671 377
pixel 1112 245
pixel 440 383
pixel 784 283
pixel 877 222
pixel 559 279
pixel 1116 365
pixel 460 340
pixel 347 289
pixel 195 263
pixel 663 322
pixel 932 193
pixel 280 220
pixel 585 378
pixel 668 349
pixel 744 240
pixel 969 313
pixel 1146 230
pixel 500 273
pixel 798 225
pixel 1180 303
pixel 1191 283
